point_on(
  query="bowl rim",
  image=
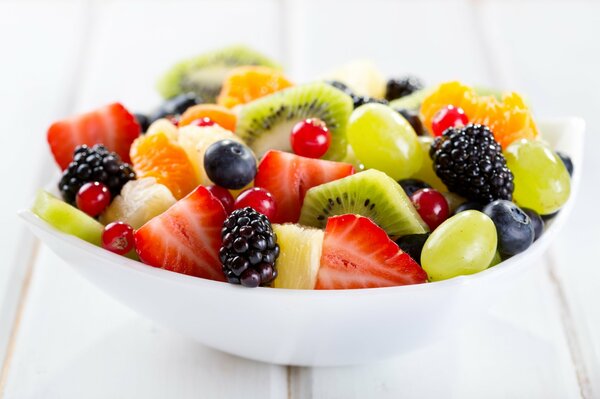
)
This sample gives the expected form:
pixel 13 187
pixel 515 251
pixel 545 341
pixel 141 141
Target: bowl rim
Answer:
pixel 578 129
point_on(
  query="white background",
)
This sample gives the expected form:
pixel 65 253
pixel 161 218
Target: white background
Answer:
pixel 62 338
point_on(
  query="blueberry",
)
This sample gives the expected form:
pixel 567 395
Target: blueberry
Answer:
pixel 413 245
pixel 175 106
pixel 567 161
pixel 143 121
pixel 411 186
pixel 230 164
pixel 513 226
pixel 413 118
pixel 536 221
pixel 465 206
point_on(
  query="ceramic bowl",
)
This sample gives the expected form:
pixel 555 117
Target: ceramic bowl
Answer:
pixel 310 328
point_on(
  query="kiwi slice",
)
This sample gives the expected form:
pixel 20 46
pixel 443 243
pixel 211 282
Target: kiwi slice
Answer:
pixel 205 73
pixel 266 123
pixel 370 193
pixel 67 218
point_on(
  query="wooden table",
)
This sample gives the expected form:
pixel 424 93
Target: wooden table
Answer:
pixel 60 337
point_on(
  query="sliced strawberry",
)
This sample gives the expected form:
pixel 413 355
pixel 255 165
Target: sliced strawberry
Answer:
pixel 288 177
pixel 186 238
pixel 111 125
pixel 359 254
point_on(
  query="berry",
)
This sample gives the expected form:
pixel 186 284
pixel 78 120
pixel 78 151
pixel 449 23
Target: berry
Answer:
pixel 229 164
pixel 432 206
pixel 249 248
pixel 94 164
pixel 470 163
pixel 92 198
pixel 258 199
pixel 224 196
pixel 202 122
pixel 310 138
pixel 449 116
pixel 186 237
pixel 175 106
pixel 413 244
pixel 112 126
pixel 359 254
pixel 288 177
pixel 567 161
pixel 118 238
pixel 411 186
pixel 143 121
pixel 513 226
pixel 536 221
pixel 469 205
pixel 413 118
pixel 397 88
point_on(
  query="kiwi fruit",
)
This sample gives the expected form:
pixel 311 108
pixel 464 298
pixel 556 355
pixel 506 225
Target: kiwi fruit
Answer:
pixel 67 218
pixel 266 123
pixel 204 74
pixel 370 193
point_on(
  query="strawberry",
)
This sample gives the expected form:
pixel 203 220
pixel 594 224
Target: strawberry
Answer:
pixel 359 254
pixel 186 238
pixel 111 125
pixel 288 177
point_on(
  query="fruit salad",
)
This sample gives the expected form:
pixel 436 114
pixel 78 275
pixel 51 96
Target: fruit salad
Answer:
pixel 245 176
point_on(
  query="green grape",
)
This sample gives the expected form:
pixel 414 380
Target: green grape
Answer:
pixel 382 139
pixel 426 172
pixel 496 259
pixel 464 244
pixel 542 182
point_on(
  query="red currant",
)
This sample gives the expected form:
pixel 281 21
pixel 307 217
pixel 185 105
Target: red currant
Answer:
pixel 449 116
pixel 118 238
pixel 92 198
pixel 202 122
pixel 310 138
pixel 258 198
pixel 223 195
pixel 432 206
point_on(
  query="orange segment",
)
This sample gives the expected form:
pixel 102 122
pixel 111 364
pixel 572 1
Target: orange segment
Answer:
pixel 247 83
pixel 157 156
pixel 509 119
pixel 222 116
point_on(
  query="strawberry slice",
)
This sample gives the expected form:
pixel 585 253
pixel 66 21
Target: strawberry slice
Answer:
pixel 186 238
pixel 111 125
pixel 288 177
pixel 359 254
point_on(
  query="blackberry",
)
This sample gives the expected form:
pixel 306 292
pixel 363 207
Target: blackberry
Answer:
pixel 397 88
pixel 249 248
pixel 470 163
pixel 94 164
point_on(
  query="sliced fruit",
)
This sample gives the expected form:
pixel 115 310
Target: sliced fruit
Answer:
pixel 186 238
pixel 111 125
pixel 164 126
pixel 266 123
pixel 509 119
pixel 247 83
pixel 205 73
pixel 359 254
pixel 67 218
pixel 139 201
pixel 370 193
pixel 217 113
pixel 157 156
pixel 362 77
pixel 287 177
pixel 195 140
pixel 299 256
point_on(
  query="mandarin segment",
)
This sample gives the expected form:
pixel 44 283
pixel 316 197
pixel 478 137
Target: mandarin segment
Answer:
pixel 222 116
pixel 509 118
pixel 157 156
pixel 247 83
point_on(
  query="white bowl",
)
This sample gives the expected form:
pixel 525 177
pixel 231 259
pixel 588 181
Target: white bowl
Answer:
pixel 309 328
